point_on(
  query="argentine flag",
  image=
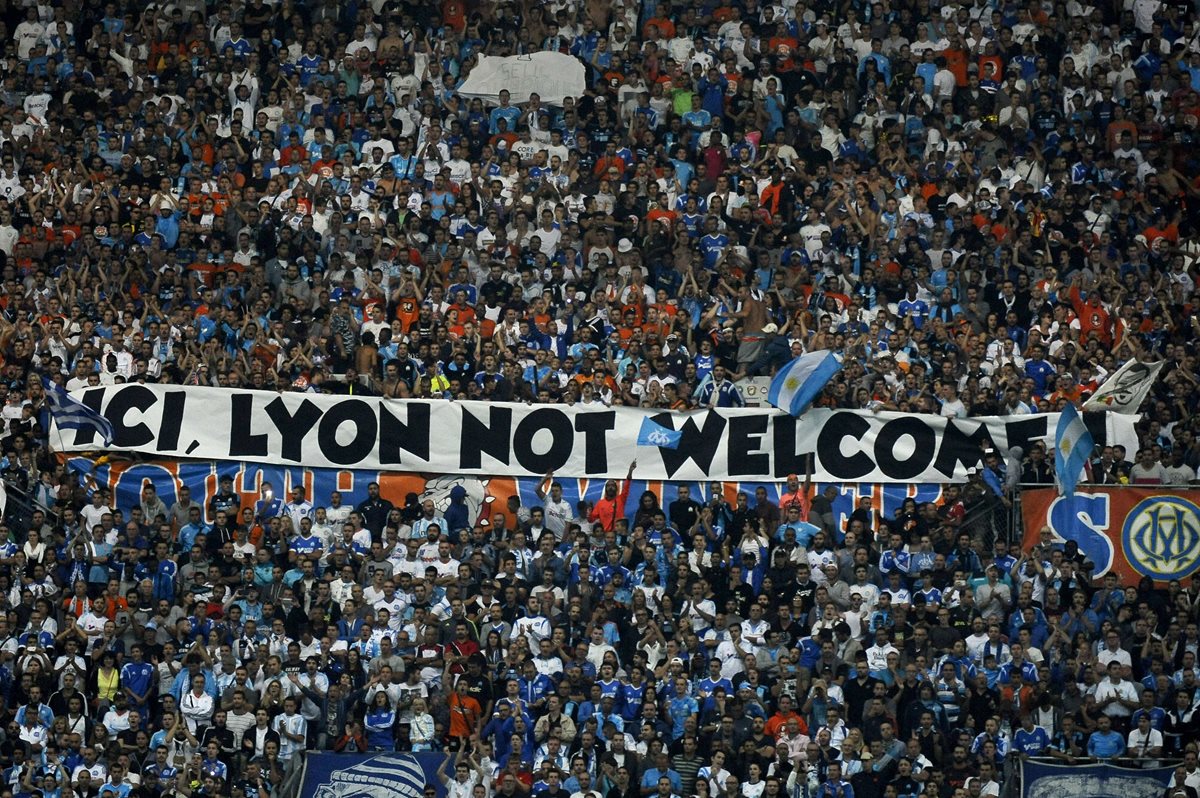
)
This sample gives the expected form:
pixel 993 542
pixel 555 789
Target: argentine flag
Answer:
pixel 798 383
pixel 1073 447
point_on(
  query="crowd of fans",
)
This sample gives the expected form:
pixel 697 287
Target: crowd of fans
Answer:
pixel 986 206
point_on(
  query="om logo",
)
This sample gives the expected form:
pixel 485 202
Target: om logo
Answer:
pixel 1161 536
pixel 658 438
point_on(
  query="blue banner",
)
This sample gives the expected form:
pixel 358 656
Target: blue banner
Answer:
pixel 485 497
pixel 384 775
pixel 1097 780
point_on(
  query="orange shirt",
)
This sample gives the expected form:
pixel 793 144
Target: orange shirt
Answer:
pixel 799 498
pixel 464 714
pixel 666 28
pixel 407 311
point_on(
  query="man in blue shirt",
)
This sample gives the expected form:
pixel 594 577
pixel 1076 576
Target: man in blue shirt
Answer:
pixel 1030 740
pixel 1157 715
pixel 188 532
pixel 804 530
pixel 1104 743
pixel 1038 369
pixel 509 113
pixel 712 244
pixel 661 770
pixel 896 557
pixel 137 678
pixel 834 787
pixel 706 686
pixel 720 391
pixel 534 687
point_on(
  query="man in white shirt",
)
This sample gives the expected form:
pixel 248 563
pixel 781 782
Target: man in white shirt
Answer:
pixel 1115 696
pixel 1144 741
pixel 28 33
pixel 292 729
pixel 877 654
pixel 535 627
pixel 558 511
pixel 1113 652
pixel 754 628
pixel 93 512
pixel 196 706
pixel 336 513
pixel 298 508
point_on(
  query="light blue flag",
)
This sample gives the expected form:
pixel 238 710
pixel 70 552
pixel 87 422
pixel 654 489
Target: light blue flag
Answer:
pixel 655 434
pixel 1073 447
pixel 800 382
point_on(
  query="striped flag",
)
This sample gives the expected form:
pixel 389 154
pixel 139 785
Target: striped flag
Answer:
pixel 798 383
pixel 70 413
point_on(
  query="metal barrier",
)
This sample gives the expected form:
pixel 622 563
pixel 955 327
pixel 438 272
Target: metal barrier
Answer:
pixel 19 509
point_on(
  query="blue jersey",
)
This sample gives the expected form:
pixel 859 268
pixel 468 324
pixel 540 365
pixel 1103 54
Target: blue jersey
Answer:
pixel 1032 742
pixel 138 677
pixel 631 700
pixel 308 65
pixel 1040 372
pixel 711 247
pixel 706 686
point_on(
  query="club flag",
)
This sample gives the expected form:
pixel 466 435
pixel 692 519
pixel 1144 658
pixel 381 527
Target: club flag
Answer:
pixel 800 382
pixel 70 413
pixel 1073 446
pixel 654 434
pixel 1127 388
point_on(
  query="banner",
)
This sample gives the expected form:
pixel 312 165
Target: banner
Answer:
pixel 485 496
pixel 1131 531
pixel 485 438
pixel 385 775
pixel 552 76
pixel 1041 779
pixel 1127 387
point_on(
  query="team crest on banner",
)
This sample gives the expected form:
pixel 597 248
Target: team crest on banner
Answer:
pixel 1132 531
pixel 1161 536
pixel 369 775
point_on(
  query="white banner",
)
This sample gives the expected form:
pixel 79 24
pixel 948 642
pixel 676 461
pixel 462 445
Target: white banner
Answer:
pixel 552 76
pixel 1126 388
pixel 438 436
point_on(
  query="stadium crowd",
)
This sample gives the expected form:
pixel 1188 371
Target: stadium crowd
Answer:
pixel 986 206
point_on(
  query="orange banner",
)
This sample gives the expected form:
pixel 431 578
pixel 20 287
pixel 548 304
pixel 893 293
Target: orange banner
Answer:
pixel 1133 532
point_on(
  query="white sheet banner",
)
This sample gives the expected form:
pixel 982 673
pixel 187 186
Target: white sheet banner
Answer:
pixel 528 440
pixel 552 76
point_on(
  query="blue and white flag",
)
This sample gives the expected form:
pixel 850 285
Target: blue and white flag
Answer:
pixel 654 434
pixel 798 383
pixel 1072 448
pixel 371 775
pixel 70 413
